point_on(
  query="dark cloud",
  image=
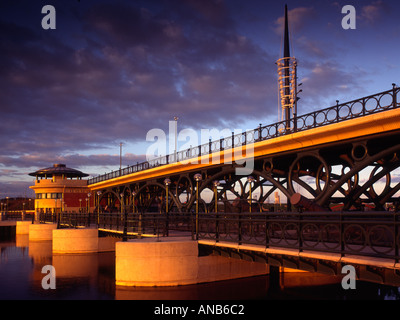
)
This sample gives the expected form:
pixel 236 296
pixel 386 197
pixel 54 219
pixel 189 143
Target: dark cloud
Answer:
pixel 138 67
pixel 113 70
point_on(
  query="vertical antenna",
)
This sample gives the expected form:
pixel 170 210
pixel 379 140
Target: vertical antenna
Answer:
pixel 287 80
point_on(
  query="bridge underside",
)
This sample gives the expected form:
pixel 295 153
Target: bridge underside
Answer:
pixel 372 270
pixel 352 174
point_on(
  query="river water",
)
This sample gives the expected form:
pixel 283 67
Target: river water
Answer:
pixel 92 277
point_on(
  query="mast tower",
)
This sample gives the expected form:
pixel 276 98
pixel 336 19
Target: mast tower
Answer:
pixel 287 81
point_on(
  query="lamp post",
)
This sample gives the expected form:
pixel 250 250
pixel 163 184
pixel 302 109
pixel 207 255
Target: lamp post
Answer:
pixel 176 138
pixel 122 202
pixel 98 208
pixel 198 178
pixel 120 157
pixel 167 182
pixel 133 201
pixel 250 179
pixel 216 184
pixel 124 238
pixel 88 197
pixel 140 215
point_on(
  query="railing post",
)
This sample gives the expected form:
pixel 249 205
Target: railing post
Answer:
pixel 58 220
pixel 394 95
pixel 341 234
pixel 216 227
pixel 299 235
pixel 240 229
pixel 396 233
pixel 125 237
pixel 266 230
pixel 140 225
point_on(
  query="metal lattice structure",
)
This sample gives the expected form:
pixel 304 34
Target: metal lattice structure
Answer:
pixel 353 172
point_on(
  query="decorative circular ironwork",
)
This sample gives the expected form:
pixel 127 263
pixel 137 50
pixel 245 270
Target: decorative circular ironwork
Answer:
pixel 311 173
pixel 268 165
pixel 310 235
pixel 184 190
pixel 331 115
pixel 371 104
pixel 272 131
pixel 385 101
pixel 330 236
pixel 381 239
pixel 291 234
pixel 374 172
pixel 354 237
pixel 359 152
pixel 357 108
pixel 344 111
pixel 275 233
pixel 320 118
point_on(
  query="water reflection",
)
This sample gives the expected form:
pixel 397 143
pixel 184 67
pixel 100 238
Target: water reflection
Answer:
pixel 92 277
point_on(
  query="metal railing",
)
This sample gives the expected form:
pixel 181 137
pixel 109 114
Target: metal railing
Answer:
pixel 341 112
pixel 21 215
pixel 358 233
pixel 367 234
pixel 126 224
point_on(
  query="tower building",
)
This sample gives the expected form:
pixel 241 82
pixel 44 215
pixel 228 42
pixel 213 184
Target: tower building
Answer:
pixel 60 188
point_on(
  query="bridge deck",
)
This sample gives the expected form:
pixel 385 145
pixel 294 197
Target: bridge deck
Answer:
pixel 373 124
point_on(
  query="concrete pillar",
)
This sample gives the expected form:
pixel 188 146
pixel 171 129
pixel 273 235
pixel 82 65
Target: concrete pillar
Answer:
pixel 23 227
pixel 41 232
pixel 147 262
pixel 75 241
pixel 174 262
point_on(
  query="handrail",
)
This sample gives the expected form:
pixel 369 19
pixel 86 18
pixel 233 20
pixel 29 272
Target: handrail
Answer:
pixel 372 234
pixel 372 104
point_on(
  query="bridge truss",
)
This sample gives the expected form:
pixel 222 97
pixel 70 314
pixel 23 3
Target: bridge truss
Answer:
pixel 349 172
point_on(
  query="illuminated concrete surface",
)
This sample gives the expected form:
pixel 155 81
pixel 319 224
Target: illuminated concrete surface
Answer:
pixel 41 232
pixel 23 227
pixel 174 262
pixel 75 240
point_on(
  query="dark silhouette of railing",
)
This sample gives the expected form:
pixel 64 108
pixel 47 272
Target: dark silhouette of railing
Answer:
pixel 18 215
pixel 126 224
pixel 341 112
pixel 368 234
pixel 374 234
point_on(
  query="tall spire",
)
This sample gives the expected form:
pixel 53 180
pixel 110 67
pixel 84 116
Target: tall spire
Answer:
pixel 287 80
pixel 286 50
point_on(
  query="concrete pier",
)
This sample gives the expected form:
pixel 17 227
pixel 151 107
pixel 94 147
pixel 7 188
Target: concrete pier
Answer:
pixel 75 241
pixel 41 232
pixel 174 262
pixel 23 227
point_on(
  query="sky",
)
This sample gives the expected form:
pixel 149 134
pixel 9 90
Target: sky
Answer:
pixel 113 70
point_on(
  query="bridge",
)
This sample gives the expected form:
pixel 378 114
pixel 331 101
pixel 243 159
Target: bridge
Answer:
pixel 318 242
pixel 345 155
pixel 336 167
